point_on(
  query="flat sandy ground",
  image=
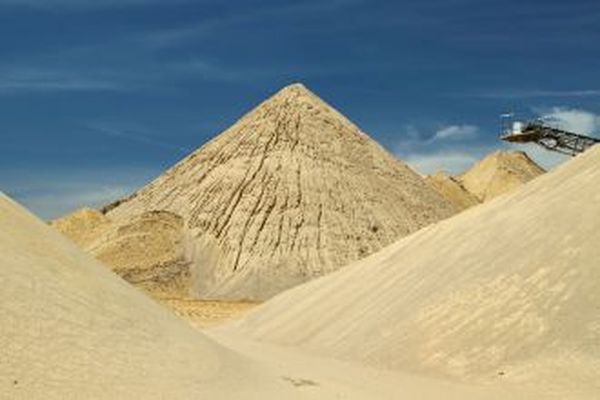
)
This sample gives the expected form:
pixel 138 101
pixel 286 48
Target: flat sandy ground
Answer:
pixel 319 377
pixel 316 376
pixel 206 313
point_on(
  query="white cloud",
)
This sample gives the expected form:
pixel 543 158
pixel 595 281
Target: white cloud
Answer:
pixel 454 162
pixel 15 79
pixel 51 205
pixel 573 120
pixel 448 149
pixel 517 94
pixel 456 132
pixel 51 194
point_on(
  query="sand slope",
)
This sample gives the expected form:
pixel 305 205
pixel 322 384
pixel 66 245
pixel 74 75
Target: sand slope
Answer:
pixel 292 191
pixel 83 226
pixel 509 290
pixel 498 173
pixel 147 250
pixel 71 329
pixel 452 190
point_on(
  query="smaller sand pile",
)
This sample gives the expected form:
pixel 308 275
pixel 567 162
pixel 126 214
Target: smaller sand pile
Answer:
pixel 452 190
pixel 499 173
pixel 146 250
pixel 83 226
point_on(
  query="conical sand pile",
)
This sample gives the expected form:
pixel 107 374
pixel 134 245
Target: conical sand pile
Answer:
pixel 291 191
pixel 506 291
pixel 499 173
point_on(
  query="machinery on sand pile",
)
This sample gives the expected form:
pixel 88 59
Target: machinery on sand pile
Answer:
pixel 545 133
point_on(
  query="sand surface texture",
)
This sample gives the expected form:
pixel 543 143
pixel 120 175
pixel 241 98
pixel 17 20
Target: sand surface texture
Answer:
pixel 147 250
pixel 506 291
pixel 499 173
pixel 452 190
pixel 292 191
pixel 71 329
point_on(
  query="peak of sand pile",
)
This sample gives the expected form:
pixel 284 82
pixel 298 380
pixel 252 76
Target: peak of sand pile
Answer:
pixel 452 190
pixel 71 329
pixel 499 173
pixel 291 191
pixel 509 290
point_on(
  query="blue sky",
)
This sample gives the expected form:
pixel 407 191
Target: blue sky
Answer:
pixel 99 96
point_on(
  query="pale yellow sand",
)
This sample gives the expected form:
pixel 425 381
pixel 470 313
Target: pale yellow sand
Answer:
pixel 206 313
pixel 498 173
pixel 507 291
pixel 292 191
pixel 323 378
pixel 147 250
pixel 70 329
pixel 452 190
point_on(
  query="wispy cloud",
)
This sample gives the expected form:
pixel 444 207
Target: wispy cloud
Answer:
pixel 456 132
pixel 413 138
pixel 523 94
pixel 18 79
pixel 135 135
pixel 169 37
pixel 454 161
pixel 56 192
pixel 571 119
pixel 449 148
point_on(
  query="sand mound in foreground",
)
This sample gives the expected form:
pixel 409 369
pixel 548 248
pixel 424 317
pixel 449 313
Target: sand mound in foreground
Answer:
pixel 292 191
pixel 70 328
pixel 507 290
pixel 498 173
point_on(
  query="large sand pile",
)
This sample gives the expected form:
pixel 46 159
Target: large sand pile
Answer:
pixel 71 329
pixel 506 291
pixel 292 191
pixel 498 173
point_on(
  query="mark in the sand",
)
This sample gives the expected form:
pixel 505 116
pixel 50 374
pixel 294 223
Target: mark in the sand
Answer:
pixel 298 382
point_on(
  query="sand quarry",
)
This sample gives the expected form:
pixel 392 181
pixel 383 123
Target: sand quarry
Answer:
pixel 293 257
